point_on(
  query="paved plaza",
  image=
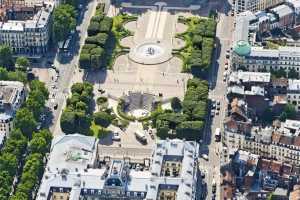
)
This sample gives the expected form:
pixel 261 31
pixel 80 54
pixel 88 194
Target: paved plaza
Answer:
pixel 150 66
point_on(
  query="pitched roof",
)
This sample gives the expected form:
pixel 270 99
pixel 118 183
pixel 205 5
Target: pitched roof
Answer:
pixel 286 140
pixel 276 137
pixel 297 141
pixel 295 194
pixel 275 166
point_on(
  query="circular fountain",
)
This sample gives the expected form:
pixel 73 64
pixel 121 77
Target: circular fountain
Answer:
pixel 150 53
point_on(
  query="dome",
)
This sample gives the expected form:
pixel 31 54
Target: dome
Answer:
pixel 242 48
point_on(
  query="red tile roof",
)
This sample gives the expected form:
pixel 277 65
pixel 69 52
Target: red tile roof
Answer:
pixel 297 141
pixel 276 137
pixel 295 194
pixel 275 166
pixel 264 164
pixel 286 140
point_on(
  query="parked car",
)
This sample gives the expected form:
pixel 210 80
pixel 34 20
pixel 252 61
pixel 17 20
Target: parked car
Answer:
pixel 214 186
pixel 227 55
pixel 116 137
pixel 204 156
pixel 55 106
pixel 212 113
pixel 203 175
pixel 39 126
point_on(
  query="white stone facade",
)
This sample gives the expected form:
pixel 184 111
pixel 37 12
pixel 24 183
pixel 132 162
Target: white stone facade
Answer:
pixel 28 37
pixel 254 5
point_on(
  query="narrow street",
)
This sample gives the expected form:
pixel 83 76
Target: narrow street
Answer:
pixel 217 93
pixel 69 69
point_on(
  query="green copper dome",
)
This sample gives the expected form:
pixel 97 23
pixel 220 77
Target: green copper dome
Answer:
pixel 242 48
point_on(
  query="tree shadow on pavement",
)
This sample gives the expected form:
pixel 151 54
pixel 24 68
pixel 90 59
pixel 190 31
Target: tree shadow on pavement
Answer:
pixel 106 140
pixel 49 117
pixel 215 65
pixel 95 76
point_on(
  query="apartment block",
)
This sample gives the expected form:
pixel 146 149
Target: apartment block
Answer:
pixel 27 30
pixel 282 144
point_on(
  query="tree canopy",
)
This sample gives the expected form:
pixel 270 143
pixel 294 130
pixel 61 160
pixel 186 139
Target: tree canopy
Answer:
pixel 6 59
pixel 22 63
pixel 64 20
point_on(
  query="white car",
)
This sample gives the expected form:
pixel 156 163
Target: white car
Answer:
pixel 204 156
pixel 226 67
pixel 116 137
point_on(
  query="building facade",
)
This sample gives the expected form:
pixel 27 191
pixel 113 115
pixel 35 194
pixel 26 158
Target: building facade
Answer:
pixel 282 144
pixel 258 59
pixel 254 5
pixel 28 36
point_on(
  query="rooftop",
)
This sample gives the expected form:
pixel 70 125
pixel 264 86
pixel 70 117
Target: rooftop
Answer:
pixel 244 77
pixel 241 30
pixel 282 10
pixel 39 20
pixel 72 152
pixel 117 175
pixel 11 95
pixel 294 85
pixel 242 48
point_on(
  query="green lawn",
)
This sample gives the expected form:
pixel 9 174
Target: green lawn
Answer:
pixel 98 131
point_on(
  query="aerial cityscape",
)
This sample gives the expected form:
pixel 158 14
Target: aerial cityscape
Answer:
pixel 150 100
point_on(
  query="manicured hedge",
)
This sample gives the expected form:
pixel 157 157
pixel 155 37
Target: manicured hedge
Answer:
pixel 190 122
pixel 99 36
pixel 199 39
pixel 76 118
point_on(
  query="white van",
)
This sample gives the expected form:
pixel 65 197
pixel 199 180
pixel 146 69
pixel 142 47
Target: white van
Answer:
pixel 140 135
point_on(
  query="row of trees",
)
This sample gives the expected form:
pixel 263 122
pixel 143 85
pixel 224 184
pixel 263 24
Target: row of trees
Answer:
pixel 34 165
pixel 76 117
pixel 12 75
pixel 93 54
pixel 186 120
pixel 200 43
pixel 8 62
pixel 12 154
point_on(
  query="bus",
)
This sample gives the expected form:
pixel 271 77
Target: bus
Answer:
pixel 218 135
pixel 141 136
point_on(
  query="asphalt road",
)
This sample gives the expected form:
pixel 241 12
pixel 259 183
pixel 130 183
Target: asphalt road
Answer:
pixel 217 92
pixel 68 67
